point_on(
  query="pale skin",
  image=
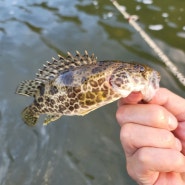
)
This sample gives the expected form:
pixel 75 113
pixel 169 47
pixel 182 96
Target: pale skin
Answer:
pixel 153 137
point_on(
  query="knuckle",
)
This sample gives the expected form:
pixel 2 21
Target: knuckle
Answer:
pixel 130 170
pixel 126 134
pixel 136 171
pixel 139 162
pixel 120 114
pixel 142 156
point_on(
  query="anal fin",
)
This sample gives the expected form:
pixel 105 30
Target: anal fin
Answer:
pixel 51 118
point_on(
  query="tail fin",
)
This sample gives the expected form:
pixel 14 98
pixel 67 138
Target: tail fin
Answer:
pixel 29 116
pixel 28 87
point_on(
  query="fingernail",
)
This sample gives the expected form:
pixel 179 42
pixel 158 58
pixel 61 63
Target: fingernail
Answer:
pixel 172 122
pixel 178 144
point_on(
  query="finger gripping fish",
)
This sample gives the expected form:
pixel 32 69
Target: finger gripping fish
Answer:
pixel 77 85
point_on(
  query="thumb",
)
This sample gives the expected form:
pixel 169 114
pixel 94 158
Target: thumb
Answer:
pixel 172 102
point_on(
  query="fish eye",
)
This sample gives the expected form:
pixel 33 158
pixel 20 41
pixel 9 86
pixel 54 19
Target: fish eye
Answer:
pixel 142 68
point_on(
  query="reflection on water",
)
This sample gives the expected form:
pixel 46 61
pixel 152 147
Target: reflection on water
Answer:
pixel 81 150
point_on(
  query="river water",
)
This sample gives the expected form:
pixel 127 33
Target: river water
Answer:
pixel 75 150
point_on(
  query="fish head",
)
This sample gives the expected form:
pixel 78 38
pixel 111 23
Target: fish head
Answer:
pixel 131 77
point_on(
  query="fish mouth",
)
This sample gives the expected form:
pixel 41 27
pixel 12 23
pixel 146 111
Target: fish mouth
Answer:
pixel 153 85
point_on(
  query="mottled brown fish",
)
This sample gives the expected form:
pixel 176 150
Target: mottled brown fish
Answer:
pixel 77 85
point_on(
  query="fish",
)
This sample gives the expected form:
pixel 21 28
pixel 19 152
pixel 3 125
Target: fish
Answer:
pixel 79 84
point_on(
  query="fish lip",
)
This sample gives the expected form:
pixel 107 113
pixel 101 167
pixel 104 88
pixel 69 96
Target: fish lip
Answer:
pixel 153 86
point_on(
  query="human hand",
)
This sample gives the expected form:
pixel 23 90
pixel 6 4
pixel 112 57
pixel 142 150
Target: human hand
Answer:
pixel 153 138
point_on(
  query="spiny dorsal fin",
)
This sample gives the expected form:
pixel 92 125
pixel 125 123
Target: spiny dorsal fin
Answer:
pixel 52 69
pixel 28 87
